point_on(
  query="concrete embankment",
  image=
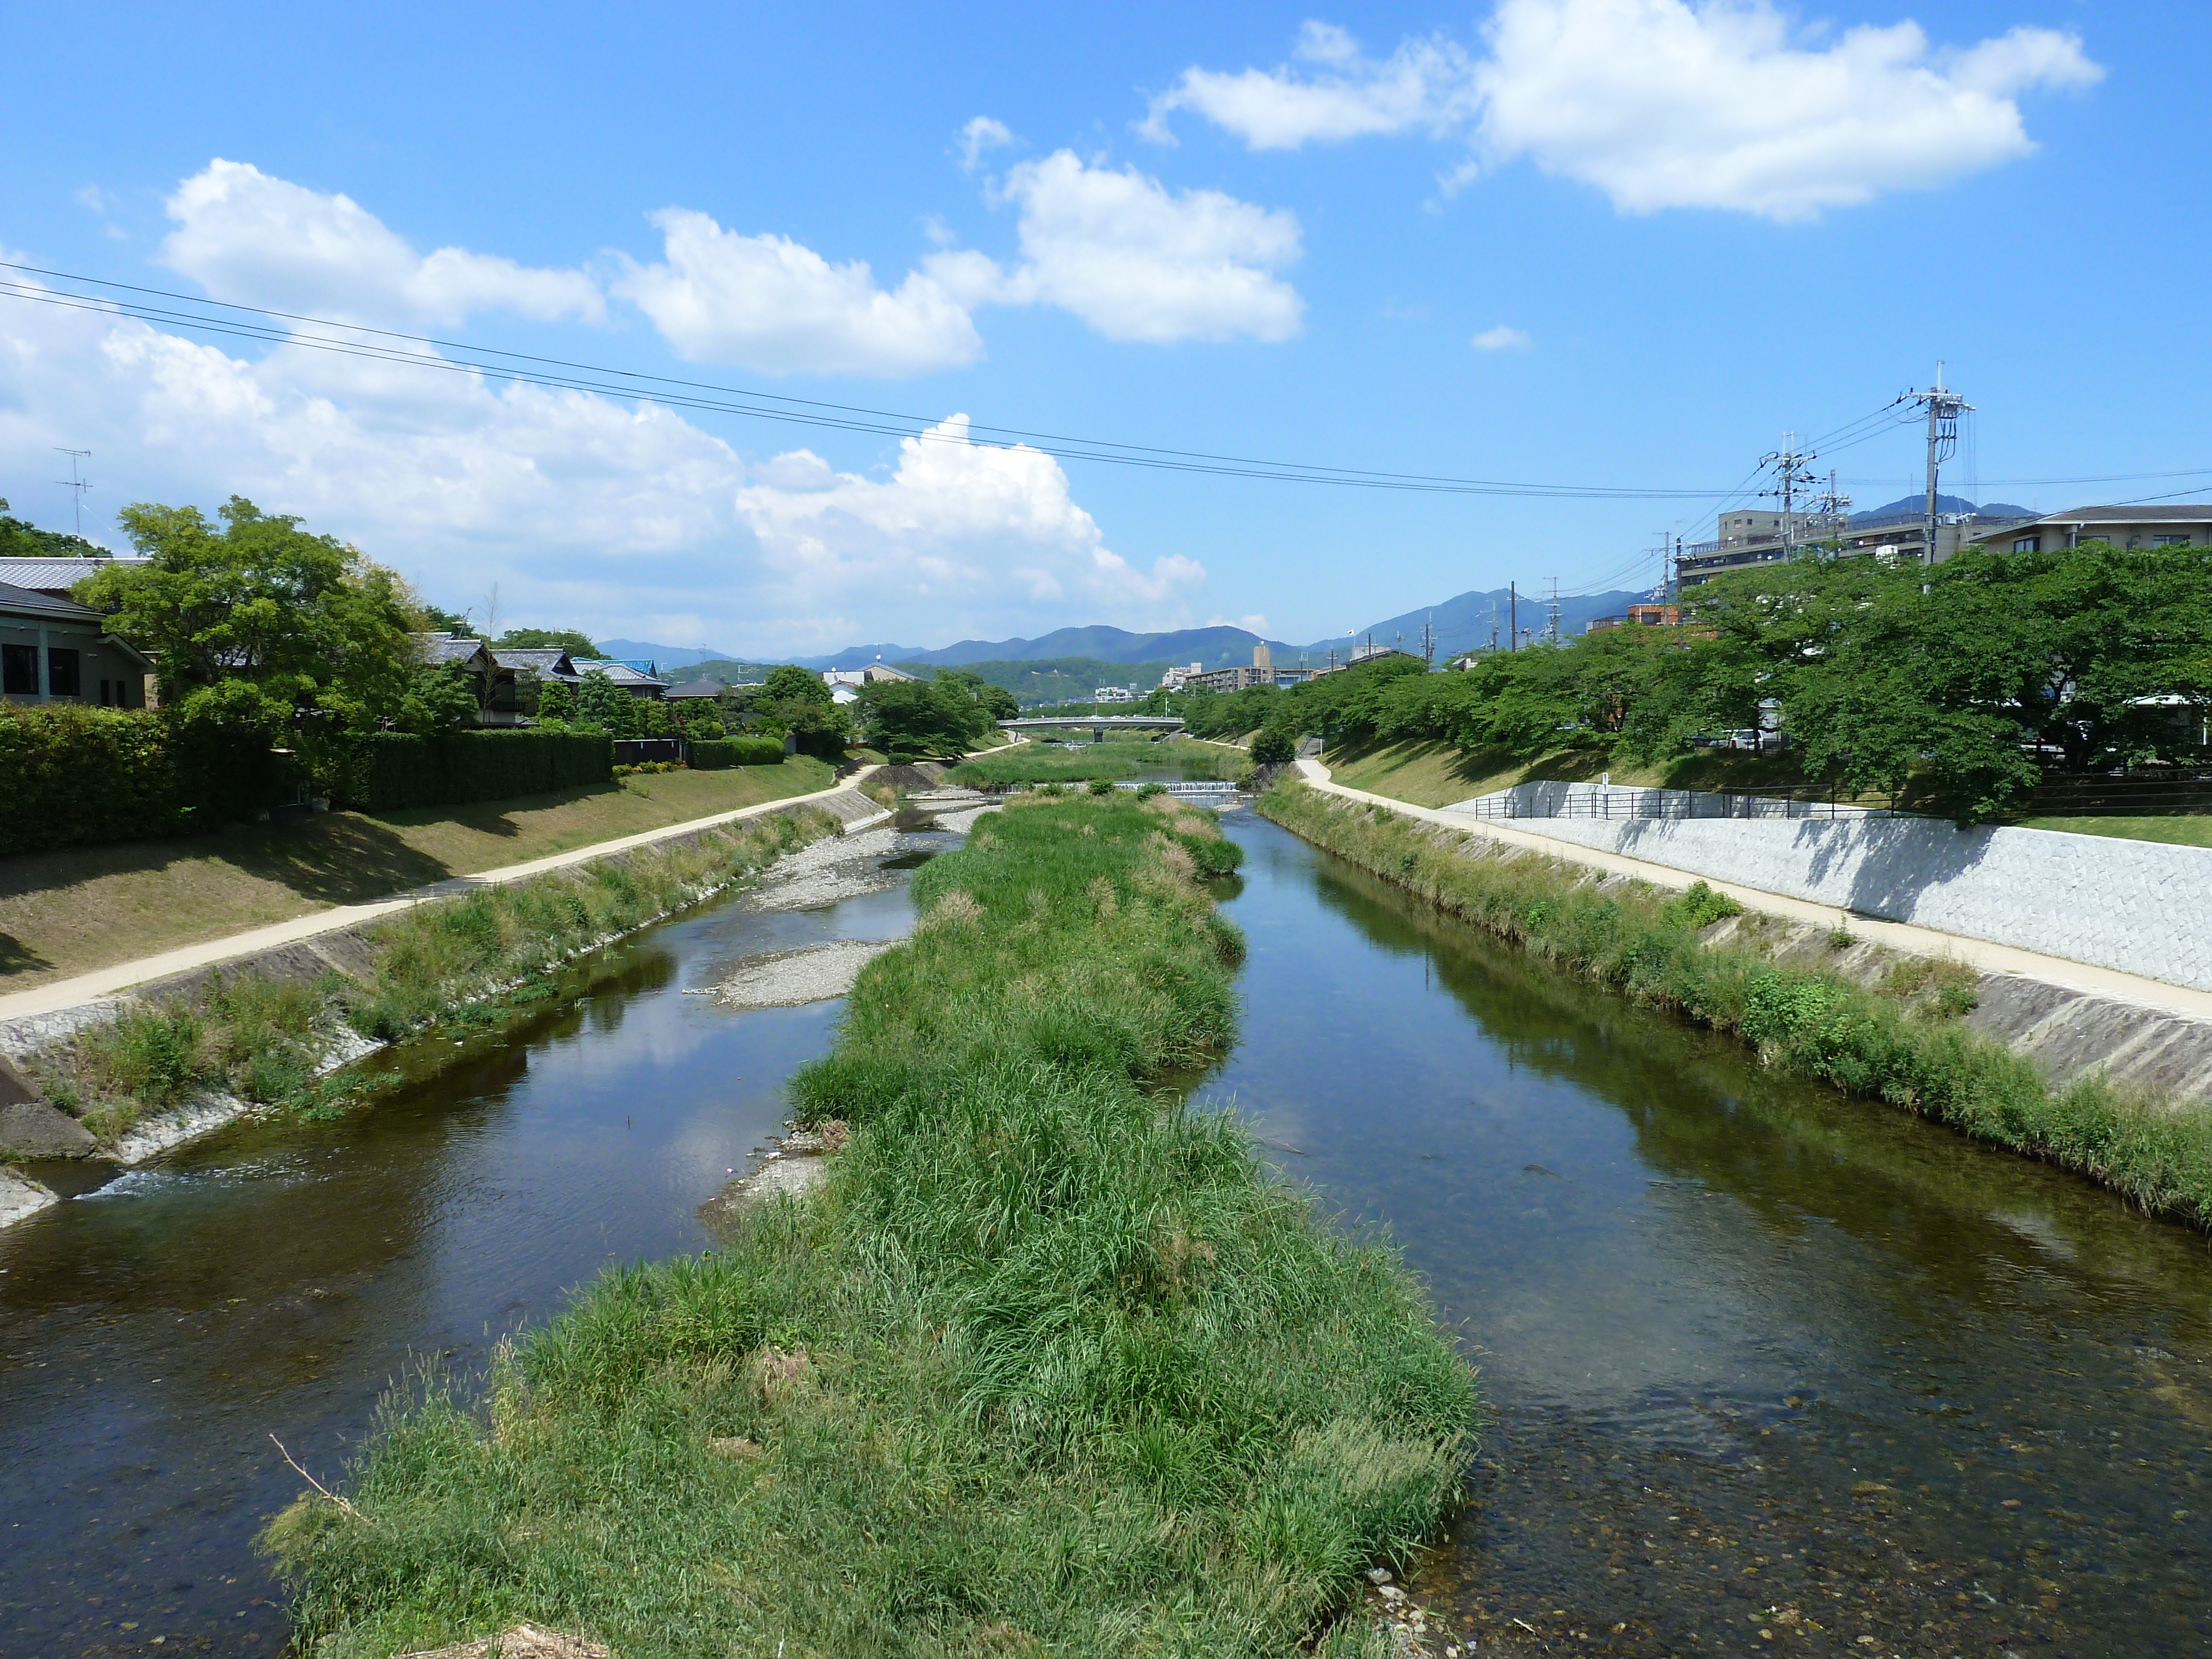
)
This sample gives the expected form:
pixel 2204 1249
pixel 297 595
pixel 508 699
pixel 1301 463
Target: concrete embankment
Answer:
pixel 2136 906
pixel 2115 1091
pixel 2148 1031
pixel 35 1040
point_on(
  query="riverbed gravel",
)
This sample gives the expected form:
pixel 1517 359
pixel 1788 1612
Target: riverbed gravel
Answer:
pixel 789 979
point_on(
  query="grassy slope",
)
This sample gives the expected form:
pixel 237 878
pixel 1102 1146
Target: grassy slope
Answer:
pixel 1898 1047
pixel 471 962
pixel 1431 774
pixel 76 909
pixel 2183 830
pixel 1050 1365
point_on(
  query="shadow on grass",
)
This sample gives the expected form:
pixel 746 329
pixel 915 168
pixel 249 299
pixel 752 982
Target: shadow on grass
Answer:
pixel 17 957
pixel 338 858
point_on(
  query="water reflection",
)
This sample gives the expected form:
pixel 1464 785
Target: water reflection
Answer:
pixel 153 1332
pixel 1763 1358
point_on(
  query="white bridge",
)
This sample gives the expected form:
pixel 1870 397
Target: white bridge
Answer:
pixel 1193 789
pixel 1067 725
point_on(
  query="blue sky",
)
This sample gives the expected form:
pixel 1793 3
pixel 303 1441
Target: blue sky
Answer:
pixel 1610 242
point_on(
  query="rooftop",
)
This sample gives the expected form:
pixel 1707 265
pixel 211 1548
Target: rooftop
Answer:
pixel 59 574
pixel 28 601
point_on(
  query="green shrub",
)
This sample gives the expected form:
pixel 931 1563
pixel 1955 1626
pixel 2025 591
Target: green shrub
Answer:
pixel 389 771
pixel 76 775
pixel 1699 907
pixel 1101 786
pixel 718 754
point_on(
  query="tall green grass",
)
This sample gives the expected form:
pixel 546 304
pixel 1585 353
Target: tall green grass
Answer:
pixel 1050 1364
pixel 472 960
pixel 1899 1043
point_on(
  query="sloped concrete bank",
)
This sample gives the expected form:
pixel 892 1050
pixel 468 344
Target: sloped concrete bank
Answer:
pixel 2114 1090
pixel 2138 907
pixel 31 1128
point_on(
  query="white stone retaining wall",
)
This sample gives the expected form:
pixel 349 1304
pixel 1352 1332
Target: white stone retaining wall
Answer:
pixel 2137 906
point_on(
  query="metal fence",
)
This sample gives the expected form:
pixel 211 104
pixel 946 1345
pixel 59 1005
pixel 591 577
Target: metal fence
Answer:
pixel 2164 795
pixel 1593 800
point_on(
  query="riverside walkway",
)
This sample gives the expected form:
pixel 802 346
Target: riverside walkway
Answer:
pixel 1980 954
pixel 855 811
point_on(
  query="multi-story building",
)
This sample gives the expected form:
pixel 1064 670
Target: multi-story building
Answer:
pixel 2123 526
pixel 1262 672
pixel 1755 538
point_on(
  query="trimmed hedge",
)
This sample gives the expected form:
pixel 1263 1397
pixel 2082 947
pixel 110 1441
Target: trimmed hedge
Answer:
pixel 74 774
pixel 391 770
pixel 718 753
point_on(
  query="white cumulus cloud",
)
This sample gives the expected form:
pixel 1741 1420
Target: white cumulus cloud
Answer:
pixel 247 237
pixel 1501 339
pixel 1426 84
pixel 956 519
pixel 1664 103
pixel 768 303
pixel 1135 260
pixel 620 517
pixel 980 134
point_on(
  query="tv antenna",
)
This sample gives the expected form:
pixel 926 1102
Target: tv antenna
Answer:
pixel 75 485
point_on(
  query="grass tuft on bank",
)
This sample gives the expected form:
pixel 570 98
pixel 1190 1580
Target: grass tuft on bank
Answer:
pixel 473 962
pixel 1901 1044
pixel 1050 1365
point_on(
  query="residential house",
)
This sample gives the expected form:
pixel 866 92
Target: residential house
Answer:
pixel 55 650
pixel 56 577
pixel 701 690
pixel 2123 526
pixel 628 676
pixel 845 684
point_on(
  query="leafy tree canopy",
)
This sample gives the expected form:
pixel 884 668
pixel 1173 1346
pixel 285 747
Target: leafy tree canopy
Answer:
pixel 791 684
pixel 945 715
pixel 259 620
pixel 578 645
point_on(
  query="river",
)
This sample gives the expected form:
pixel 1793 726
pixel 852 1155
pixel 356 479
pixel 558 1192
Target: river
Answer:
pixel 1762 1359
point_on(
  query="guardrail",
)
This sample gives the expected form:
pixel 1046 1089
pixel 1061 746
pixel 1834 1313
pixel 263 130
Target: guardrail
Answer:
pixel 1596 800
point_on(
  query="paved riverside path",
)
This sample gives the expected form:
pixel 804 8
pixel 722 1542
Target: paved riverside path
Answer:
pixel 1976 953
pixel 106 982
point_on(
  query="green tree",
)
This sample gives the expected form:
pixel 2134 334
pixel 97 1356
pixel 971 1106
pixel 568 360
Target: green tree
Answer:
pixel 578 645
pixel 260 629
pixel 556 701
pixel 601 704
pixel 791 684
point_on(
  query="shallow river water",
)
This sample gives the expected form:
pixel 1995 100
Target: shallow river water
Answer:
pixel 1771 1370
pixel 1762 1359
pixel 276 1279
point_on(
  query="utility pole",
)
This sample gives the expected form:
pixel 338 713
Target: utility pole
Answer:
pixel 1944 408
pixel 77 486
pixel 1790 474
pixel 1513 617
pixel 1552 626
pixel 1429 640
pixel 1835 505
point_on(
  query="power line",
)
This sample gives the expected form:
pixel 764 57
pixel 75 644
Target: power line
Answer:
pixel 358 340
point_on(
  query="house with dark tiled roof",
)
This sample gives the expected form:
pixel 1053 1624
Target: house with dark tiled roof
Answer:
pixel 55 650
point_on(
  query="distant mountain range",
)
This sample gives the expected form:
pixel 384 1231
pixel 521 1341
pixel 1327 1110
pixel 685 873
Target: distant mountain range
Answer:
pixel 1463 623
pixel 1912 506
